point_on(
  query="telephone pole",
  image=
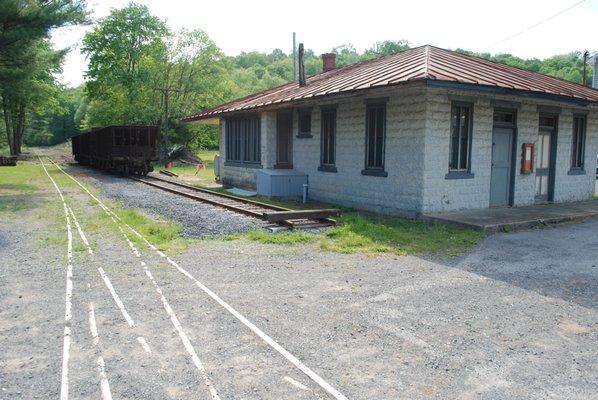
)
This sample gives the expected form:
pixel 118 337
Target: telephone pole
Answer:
pixel 165 103
pixel 294 59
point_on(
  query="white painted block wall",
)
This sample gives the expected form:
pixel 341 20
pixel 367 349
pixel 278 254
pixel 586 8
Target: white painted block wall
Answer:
pixel 398 193
pixel 442 194
pixel 417 151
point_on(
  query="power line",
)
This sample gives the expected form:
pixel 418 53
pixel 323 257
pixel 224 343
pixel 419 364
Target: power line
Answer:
pixel 539 23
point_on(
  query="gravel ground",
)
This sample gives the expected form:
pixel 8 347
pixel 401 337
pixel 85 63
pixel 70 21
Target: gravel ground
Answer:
pixel 197 219
pixel 515 319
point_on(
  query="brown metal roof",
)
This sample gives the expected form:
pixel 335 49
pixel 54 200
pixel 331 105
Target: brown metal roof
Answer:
pixel 421 63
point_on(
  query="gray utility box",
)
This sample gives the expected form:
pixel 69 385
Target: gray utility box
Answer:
pixel 280 182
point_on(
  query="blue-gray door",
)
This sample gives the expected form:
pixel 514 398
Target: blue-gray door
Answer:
pixel 500 179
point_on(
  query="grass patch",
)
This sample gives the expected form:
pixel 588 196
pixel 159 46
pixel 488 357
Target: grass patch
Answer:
pixel 164 234
pixel 375 234
pixel 285 237
pixel 26 187
pixel 190 171
pixel 370 233
pixel 16 184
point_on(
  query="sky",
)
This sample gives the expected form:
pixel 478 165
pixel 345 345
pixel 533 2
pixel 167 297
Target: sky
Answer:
pixel 505 26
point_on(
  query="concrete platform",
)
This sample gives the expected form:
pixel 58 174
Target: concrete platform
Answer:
pixel 514 218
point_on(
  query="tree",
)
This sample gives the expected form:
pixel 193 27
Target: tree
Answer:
pixel 191 76
pixel 34 88
pixel 123 50
pixel 565 66
pixel 385 48
pixel 55 124
pixel 346 55
pixel 27 60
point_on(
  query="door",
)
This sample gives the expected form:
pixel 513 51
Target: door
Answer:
pixel 545 157
pixel 500 178
pixel 284 139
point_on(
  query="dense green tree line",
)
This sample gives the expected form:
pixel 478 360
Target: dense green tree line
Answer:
pixel 28 63
pixel 142 72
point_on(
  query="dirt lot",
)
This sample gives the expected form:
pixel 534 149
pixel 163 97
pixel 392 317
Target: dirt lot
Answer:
pixel 515 319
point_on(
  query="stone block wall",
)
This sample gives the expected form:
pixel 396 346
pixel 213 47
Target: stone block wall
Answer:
pixel 417 152
pixel 398 193
pixel 570 187
pixel 441 194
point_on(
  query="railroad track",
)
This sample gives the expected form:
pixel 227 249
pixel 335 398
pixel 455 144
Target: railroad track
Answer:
pixel 294 219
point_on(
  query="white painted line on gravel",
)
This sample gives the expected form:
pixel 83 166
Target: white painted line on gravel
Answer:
pixel 64 379
pixel 104 385
pixel 296 383
pixel 92 325
pixel 144 344
pixel 104 276
pixel 281 350
pixel 183 336
pixel 81 234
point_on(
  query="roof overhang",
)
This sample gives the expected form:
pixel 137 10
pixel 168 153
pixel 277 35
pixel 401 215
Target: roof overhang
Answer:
pixel 215 118
pixel 425 63
pixel 205 121
pixel 513 92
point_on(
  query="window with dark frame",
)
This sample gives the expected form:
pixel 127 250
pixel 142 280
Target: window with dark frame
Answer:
pixel 460 146
pixel 304 122
pixel 328 143
pixel 375 134
pixel 242 137
pixel 578 142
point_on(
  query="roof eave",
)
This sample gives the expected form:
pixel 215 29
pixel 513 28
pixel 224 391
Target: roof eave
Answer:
pixel 212 117
pixel 296 102
pixel 577 101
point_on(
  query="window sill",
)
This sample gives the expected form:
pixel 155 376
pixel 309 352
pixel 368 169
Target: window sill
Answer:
pixel 459 175
pixel 327 168
pixel 374 172
pixel 242 164
pixel 283 166
pixel 304 136
pixel 576 171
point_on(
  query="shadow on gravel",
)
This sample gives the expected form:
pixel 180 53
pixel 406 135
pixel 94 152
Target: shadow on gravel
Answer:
pixel 19 202
pixel 560 262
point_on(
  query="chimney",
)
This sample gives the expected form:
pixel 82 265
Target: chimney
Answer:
pixel 595 82
pixel 328 62
pixel 301 66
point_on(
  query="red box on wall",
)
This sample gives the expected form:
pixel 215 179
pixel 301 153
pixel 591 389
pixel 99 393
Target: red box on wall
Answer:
pixel 527 158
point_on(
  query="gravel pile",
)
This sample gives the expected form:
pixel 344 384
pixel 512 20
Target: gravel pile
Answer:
pixel 197 219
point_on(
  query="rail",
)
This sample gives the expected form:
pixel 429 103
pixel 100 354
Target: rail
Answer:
pixel 295 219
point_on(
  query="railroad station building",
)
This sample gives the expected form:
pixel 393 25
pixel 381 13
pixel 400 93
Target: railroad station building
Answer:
pixel 420 131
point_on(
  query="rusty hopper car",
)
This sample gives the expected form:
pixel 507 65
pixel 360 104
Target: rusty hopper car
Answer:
pixel 128 149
